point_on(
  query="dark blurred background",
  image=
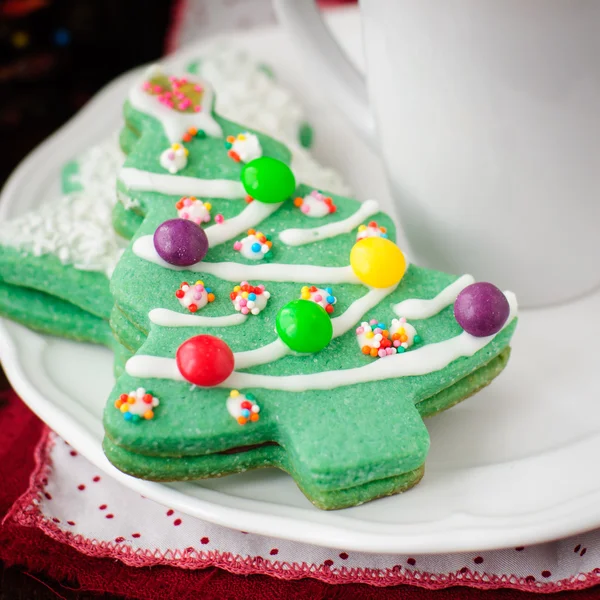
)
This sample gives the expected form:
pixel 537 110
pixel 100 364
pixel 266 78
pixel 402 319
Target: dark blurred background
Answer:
pixel 56 54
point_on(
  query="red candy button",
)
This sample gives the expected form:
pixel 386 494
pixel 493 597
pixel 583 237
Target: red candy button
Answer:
pixel 205 360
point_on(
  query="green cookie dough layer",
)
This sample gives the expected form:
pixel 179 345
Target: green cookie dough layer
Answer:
pixel 465 388
pixel 51 315
pixel 122 355
pixel 216 465
pixel 126 221
pixel 344 445
pixel 88 290
pixel 127 333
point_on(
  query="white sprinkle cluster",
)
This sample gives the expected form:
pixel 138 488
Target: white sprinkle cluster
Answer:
pixel 78 227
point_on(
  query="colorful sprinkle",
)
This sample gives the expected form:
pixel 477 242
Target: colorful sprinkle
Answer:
pixel 192 209
pixel 255 246
pixel 315 204
pixel 376 340
pixel 249 299
pixel 174 158
pixel 177 93
pixel 244 147
pixel 195 296
pixel 371 230
pixel 137 405
pixel 243 407
pixel 323 297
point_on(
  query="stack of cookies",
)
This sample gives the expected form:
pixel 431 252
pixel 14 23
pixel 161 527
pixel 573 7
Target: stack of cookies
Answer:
pixel 258 316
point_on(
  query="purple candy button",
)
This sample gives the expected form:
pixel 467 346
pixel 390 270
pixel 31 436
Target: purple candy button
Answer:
pixel 481 309
pixel 180 242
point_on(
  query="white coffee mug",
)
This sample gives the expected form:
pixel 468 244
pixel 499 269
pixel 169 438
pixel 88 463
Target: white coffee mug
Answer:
pixel 487 118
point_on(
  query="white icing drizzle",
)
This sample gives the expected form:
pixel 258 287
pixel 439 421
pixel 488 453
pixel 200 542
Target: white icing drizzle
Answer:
pixel 355 312
pixel 156 367
pixel 143 247
pixel 175 123
pixel 277 272
pixel 170 318
pixel 423 309
pixel 259 356
pixel 423 360
pixel 179 185
pixel 298 237
pixel 251 216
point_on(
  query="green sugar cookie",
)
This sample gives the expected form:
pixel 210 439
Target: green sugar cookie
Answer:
pixel 212 388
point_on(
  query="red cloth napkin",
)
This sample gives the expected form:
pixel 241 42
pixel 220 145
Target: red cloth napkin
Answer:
pixel 20 431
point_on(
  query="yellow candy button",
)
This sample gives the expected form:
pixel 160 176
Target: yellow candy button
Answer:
pixel 377 262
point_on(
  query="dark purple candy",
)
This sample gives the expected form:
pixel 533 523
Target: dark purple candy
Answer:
pixel 180 242
pixel 481 309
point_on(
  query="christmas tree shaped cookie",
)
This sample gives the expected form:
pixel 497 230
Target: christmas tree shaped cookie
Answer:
pixel 270 336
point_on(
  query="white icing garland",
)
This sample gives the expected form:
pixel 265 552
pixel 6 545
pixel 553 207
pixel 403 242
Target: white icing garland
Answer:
pixel 143 248
pixel 259 356
pixel 423 309
pixel 298 237
pixel 276 349
pixel 170 318
pixel 180 185
pixel 251 216
pixel 423 360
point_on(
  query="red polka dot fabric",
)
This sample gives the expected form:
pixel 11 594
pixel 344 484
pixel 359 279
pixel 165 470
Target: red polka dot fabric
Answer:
pixel 73 503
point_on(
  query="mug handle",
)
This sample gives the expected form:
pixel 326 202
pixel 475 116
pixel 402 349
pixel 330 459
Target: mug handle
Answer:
pixel 334 73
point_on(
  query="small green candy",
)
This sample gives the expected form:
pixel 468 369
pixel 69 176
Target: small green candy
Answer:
pixel 268 180
pixel 251 397
pixel 417 339
pixel 201 134
pixel 135 418
pixel 304 326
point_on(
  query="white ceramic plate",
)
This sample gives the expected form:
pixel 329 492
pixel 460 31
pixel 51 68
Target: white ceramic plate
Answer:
pixel 517 464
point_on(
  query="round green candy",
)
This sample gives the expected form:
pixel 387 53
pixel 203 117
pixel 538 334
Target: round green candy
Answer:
pixel 304 326
pixel 268 180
